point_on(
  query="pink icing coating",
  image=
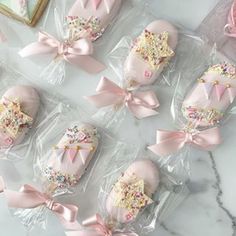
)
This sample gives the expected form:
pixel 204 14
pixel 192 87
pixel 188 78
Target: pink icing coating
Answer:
pixel 101 13
pixel 29 101
pixel 77 166
pixel 197 98
pixel 142 169
pixel 138 70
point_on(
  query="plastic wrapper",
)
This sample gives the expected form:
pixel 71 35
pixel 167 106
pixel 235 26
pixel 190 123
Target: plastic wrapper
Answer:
pixel 24 107
pixel 219 28
pixel 79 29
pixel 203 100
pixel 144 59
pixel 137 193
pixel 68 150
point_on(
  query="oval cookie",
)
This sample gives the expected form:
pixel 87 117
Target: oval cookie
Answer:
pixel 18 108
pixel 210 97
pixel 72 155
pixel 90 18
pixel 150 53
pixel 133 191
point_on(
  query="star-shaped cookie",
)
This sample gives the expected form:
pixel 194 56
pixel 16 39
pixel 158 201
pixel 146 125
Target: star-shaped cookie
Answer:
pixel 153 48
pixel 12 118
pixel 131 196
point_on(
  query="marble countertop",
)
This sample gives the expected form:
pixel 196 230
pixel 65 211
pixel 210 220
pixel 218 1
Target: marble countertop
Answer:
pixel 210 209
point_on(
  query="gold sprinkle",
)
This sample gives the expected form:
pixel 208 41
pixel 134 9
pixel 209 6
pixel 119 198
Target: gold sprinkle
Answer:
pixel 201 81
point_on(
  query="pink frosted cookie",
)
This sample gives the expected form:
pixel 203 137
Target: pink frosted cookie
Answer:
pixel 18 108
pixel 150 53
pixel 214 92
pixel 71 156
pixel 90 18
pixel 133 191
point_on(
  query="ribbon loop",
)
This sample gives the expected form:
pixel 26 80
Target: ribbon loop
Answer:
pixel 141 104
pixel 168 142
pixel 76 52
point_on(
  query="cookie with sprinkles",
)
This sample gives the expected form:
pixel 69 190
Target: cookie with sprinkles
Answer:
pixel 211 96
pixel 90 18
pixel 150 53
pixel 133 191
pixel 18 108
pixel 69 159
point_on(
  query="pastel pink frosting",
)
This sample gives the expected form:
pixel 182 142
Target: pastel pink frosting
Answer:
pixel 142 169
pixel 211 96
pixel 58 167
pixel 29 101
pixel 105 11
pixel 138 70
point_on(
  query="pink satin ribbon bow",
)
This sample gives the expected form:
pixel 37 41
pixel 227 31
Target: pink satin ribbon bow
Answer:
pixel 77 53
pixel 168 142
pixel 95 226
pixel 230 28
pixel 141 104
pixel 28 198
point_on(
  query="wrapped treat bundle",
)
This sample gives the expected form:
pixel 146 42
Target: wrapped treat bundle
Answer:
pixel 200 106
pixel 23 107
pixel 85 23
pixel 134 197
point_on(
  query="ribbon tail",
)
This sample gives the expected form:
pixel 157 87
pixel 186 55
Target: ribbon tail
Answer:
pixel 37 48
pixel 104 99
pixel 87 63
pixel 167 147
pixel 67 215
pixel 141 112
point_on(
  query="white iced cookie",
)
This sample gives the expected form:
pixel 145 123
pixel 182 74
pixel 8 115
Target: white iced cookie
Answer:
pixel 18 108
pixel 150 53
pixel 70 158
pixel 90 18
pixel 133 191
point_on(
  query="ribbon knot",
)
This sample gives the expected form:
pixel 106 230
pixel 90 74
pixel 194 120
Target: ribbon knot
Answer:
pixel 75 52
pixel 50 204
pixel 63 48
pixel 128 97
pixel 189 137
pixel 168 142
pixel 141 104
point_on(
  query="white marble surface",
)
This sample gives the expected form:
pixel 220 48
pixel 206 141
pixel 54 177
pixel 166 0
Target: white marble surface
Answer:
pixel 210 209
